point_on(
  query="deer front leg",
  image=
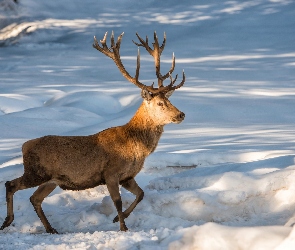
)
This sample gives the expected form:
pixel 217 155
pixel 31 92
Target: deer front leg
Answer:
pixel 113 187
pixel 132 187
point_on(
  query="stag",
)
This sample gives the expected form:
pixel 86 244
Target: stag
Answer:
pixel 111 157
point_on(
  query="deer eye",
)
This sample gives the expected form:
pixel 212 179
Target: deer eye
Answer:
pixel 160 104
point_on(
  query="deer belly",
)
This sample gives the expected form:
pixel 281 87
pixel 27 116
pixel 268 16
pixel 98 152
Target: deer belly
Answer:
pixel 67 182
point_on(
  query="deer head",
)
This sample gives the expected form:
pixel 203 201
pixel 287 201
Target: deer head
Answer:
pixel 155 99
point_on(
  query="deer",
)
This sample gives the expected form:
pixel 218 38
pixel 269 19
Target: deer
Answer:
pixel 112 157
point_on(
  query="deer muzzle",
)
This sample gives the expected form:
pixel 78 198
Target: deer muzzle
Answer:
pixel 179 118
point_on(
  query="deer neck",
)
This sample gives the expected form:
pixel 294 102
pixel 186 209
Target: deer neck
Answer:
pixel 142 121
pixel 145 132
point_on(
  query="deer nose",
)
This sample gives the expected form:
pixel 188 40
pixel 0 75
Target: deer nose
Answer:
pixel 181 116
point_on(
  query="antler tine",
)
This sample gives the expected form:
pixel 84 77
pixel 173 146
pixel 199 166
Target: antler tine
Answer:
pixel 103 41
pixel 155 43
pixel 156 53
pixel 139 38
pixel 112 40
pixel 137 65
pixel 171 69
pixel 164 43
pixel 137 44
pixel 171 80
pixel 181 83
pixel 95 42
pixel 143 44
pixel 118 43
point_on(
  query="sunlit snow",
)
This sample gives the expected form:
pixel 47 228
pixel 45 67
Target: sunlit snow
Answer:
pixel 222 179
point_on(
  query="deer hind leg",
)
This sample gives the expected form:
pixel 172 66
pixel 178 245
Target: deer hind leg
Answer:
pixel 113 187
pixel 133 187
pixel 37 198
pixel 11 188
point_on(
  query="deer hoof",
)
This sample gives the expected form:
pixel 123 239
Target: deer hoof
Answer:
pixel 116 219
pixel 51 231
pixel 7 222
pixel 123 228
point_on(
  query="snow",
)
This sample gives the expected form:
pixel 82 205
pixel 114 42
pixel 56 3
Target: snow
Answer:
pixel 222 179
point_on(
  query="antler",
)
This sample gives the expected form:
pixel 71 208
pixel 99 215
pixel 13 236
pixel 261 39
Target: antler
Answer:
pixel 114 53
pixel 156 53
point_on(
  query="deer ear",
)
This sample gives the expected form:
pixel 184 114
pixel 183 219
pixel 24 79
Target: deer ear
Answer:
pixel 169 93
pixel 146 95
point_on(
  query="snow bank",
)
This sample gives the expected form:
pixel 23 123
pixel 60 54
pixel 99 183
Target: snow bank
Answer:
pixel 223 237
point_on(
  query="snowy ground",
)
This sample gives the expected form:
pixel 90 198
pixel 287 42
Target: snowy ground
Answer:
pixel 222 179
